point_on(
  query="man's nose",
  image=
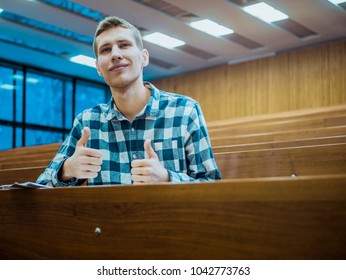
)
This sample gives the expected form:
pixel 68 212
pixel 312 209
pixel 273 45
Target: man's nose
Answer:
pixel 116 53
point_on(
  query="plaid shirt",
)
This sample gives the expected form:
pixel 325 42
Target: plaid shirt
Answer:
pixel 173 122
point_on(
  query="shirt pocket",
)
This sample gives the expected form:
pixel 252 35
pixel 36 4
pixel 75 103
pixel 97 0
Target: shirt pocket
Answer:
pixel 169 154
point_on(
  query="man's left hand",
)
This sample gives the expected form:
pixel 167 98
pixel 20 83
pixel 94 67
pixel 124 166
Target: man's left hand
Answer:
pixel 148 170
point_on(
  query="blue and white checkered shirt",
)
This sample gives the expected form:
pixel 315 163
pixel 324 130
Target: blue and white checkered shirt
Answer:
pixel 173 122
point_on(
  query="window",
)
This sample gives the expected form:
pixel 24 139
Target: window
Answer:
pixel 7 92
pixel 38 137
pixel 38 107
pixel 44 100
pixel 88 96
pixel 6 136
pixel 19 137
pixel 68 101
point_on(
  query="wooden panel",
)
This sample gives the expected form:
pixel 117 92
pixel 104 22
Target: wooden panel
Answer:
pixel 290 116
pixel 301 161
pixel 277 126
pixel 280 144
pixel 30 150
pixel 20 175
pixel 278 136
pixel 236 219
pixel 17 163
pixel 308 78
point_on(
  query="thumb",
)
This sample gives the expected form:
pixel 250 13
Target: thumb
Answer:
pixel 85 137
pixel 150 151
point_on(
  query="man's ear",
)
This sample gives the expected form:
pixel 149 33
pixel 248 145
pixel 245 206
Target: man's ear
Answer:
pixel 145 56
pixel 98 68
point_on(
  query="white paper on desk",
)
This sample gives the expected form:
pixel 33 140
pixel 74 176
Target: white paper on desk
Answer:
pixel 26 185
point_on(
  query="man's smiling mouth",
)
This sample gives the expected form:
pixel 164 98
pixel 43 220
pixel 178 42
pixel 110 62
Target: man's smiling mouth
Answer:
pixel 118 67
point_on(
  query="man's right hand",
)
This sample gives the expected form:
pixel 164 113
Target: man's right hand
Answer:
pixel 85 163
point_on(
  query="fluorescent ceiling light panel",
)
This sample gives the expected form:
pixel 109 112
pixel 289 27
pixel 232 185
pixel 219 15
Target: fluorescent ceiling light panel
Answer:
pixel 211 27
pixel 265 12
pixel 83 59
pixel 336 2
pixel 163 40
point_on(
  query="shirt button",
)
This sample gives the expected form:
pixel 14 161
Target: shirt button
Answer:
pixel 132 129
pixel 134 156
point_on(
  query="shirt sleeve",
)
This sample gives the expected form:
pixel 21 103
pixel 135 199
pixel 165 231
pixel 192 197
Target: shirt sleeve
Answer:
pixel 201 165
pixel 50 175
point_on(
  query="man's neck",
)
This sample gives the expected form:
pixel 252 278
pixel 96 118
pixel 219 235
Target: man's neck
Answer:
pixel 130 101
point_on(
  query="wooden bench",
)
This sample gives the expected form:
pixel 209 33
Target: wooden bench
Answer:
pixel 26 163
pixel 264 219
pixel 20 175
pixel 297 161
pixel 296 115
pixel 26 157
pixel 277 126
pixel 29 150
pixel 278 136
pixel 280 144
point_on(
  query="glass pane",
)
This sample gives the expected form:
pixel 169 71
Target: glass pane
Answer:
pixel 37 137
pixel 44 100
pixel 18 75
pixel 88 96
pixel 68 105
pixel 19 139
pixel 7 89
pixel 6 134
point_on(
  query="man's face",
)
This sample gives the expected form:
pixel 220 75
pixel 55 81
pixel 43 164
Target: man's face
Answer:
pixel 120 61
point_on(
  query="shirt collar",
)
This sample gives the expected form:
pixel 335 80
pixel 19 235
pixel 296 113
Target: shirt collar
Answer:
pixel 152 108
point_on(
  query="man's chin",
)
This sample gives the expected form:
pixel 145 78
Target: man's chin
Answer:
pixel 122 83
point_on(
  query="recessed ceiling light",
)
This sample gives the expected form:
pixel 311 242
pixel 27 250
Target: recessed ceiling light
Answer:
pixel 85 60
pixel 265 12
pixel 163 40
pixel 336 2
pixel 211 27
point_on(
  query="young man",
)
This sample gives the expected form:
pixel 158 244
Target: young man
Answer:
pixel 142 134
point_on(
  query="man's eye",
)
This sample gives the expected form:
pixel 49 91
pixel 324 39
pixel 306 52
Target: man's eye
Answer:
pixel 124 45
pixel 104 50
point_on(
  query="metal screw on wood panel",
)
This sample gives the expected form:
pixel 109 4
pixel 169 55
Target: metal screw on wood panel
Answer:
pixel 293 176
pixel 97 231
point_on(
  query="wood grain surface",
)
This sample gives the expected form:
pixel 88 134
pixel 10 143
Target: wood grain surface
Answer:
pixel 233 219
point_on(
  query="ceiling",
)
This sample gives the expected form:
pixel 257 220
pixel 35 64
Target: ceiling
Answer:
pixel 312 21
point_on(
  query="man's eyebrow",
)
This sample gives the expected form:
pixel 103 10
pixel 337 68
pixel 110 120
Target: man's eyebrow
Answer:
pixel 124 41
pixel 118 42
pixel 103 45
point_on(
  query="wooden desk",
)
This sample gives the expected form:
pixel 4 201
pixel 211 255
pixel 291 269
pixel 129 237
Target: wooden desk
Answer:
pixel 269 218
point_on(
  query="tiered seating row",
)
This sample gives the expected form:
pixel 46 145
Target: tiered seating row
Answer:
pixel 307 142
pixel 25 164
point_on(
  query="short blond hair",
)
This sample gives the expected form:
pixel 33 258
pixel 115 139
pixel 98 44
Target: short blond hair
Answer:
pixel 112 22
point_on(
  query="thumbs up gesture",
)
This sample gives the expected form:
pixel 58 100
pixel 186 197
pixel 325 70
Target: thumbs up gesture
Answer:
pixel 148 170
pixel 84 163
